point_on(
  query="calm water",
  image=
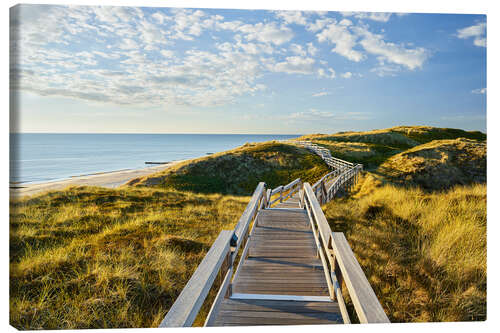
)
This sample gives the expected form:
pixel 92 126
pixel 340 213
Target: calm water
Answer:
pixel 44 157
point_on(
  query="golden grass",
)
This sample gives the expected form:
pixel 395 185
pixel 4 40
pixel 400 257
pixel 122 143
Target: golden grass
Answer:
pixel 382 136
pixel 423 253
pixel 439 164
pixel 400 136
pixel 95 258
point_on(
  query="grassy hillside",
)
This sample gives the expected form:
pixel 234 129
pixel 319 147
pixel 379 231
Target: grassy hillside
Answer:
pixel 400 136
pixel 385 137
pixel 95 258
pixel 438 164
pixel 373 148
pixel 238 171
pixel 423 253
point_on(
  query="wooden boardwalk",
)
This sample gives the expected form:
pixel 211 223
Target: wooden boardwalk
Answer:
pixel 282 280
pixel 291 265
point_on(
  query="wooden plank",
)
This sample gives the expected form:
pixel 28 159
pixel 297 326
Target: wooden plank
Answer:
pixel 276 305
pixel 274 297
pixel 365 301
pixel 305 316
pixel 183 312
pixel 291 291
pixel 244 321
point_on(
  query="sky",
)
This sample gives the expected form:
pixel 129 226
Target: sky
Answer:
pixel 170 70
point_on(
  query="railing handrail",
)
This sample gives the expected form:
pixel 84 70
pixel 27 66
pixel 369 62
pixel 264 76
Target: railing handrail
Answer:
pixel 291 188
pixel 334 244
pixel 186 307
pixel 367 306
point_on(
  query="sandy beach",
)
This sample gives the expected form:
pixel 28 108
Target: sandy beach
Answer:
pixel 106 179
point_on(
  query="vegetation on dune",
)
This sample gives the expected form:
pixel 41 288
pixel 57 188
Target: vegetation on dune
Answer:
pixel 90 257
pixel 373 148
pixel 424 134
pixel 371 155
pixel 423 253
pixel 438 164
pixel 238 171
pixel 382 137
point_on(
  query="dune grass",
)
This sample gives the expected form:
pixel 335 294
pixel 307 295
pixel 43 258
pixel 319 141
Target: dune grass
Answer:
pixel 238 171
pixel 423 253
pixel 403 137
pixel 439 164
pixel 90 257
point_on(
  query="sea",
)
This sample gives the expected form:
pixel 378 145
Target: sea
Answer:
pixel 42 157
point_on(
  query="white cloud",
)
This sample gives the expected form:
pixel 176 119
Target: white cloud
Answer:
pixel 167 53
pixel 312 114
pixel 343 39
pixel 267 33
pixel 379 17
pixel 319 24
pixel 319 115
pixel 295 65
pixel 311 49
pixel 129 44
pixel 479 91
pixel 321 93
pixel 346 75
pixel 297 49
pixel 386 70
pixel 324 73
pixel 295 17
pixel 477 32
pixel 411 58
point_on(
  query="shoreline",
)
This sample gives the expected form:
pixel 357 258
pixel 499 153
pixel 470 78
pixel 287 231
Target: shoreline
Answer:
pixel 109 179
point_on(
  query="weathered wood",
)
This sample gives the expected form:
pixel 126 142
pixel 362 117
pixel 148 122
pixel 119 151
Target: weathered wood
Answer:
pixel 317 213
pixel 340 299
pixel 244 222
pixel 183 312
pixel 277 312
pixel 290 185
pixel 321 254
pixel 276 190
pixel 250 305
pixel 366 304
pixel 214 310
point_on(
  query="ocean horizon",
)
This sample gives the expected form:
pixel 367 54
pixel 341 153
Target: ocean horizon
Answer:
pixel 44 157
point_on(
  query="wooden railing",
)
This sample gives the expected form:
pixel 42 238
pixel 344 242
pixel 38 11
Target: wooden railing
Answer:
pixel 332 162
pixel 340 264
pixel 285 192
pixel 219 260
pixel 329 185
pixel 338 260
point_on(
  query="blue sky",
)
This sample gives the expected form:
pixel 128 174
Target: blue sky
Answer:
pixel 164 70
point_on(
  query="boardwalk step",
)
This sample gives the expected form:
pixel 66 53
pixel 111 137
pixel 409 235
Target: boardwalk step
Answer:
pixel 272 297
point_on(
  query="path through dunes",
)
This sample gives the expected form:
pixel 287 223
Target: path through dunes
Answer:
pixel 292 265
